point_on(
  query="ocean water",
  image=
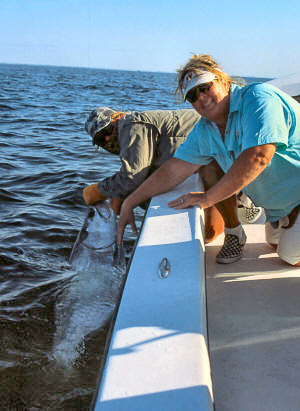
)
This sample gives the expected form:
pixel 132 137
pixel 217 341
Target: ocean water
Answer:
pixel 46 160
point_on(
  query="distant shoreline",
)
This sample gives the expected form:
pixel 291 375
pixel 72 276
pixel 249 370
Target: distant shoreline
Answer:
pixel 123 70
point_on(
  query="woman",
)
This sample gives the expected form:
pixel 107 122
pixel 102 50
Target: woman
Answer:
pixel 253 134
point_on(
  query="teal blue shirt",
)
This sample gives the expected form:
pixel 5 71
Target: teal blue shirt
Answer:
pixel 259 114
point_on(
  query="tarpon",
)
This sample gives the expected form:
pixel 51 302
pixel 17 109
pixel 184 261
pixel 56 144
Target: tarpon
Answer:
pixel 88 302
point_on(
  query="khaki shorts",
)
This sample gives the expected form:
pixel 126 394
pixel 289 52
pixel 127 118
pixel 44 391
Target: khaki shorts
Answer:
pixel 287 239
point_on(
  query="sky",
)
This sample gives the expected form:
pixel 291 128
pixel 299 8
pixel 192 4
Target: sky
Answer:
pixel 259 38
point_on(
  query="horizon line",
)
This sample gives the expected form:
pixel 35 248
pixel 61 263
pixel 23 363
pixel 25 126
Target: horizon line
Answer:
pixel 114 69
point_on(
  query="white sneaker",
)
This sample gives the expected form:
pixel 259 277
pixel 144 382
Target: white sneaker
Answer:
pixel 248 215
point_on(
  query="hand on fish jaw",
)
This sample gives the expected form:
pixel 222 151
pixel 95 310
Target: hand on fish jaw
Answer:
pixel 91 196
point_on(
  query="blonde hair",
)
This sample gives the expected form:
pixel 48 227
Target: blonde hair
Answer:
pixel 198 63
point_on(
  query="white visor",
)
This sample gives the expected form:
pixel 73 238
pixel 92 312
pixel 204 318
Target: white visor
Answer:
pixel 192 80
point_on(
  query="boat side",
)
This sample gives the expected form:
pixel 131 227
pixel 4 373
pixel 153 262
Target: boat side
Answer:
pixel 158 355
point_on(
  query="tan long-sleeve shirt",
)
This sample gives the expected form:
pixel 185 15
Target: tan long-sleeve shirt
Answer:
pixel 147 139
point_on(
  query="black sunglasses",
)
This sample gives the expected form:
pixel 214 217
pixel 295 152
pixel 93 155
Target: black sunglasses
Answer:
pixel 100 137
pixel 193 94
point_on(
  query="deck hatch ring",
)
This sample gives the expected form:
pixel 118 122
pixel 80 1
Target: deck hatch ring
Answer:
pixel 164 268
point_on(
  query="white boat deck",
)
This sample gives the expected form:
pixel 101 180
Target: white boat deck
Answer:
pixel 254 328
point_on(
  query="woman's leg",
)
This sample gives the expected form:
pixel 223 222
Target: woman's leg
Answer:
pixel 272 232
pixel 227 209
pixel 235 237
pixel 214 224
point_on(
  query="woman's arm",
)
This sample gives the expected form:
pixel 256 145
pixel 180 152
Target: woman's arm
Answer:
pixel 244 170
pixel 249 165
pixel 168 176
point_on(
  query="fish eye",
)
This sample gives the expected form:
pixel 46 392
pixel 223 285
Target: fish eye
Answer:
pixel 91 212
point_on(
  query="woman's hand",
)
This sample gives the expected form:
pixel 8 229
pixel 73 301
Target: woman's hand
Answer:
pixel 126 217
pixel 189 200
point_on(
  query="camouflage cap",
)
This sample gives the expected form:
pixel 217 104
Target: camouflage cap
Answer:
pixel 98 120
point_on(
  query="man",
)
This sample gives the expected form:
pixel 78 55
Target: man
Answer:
pixel 144 141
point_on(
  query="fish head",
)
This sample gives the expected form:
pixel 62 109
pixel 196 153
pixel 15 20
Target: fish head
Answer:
pixel 100 226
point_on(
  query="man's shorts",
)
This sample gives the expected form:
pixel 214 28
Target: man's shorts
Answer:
pixel 287 239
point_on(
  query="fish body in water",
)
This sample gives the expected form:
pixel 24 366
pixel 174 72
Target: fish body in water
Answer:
pixel 89 300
